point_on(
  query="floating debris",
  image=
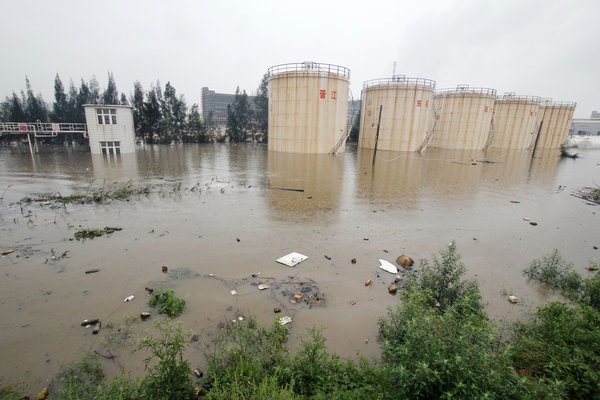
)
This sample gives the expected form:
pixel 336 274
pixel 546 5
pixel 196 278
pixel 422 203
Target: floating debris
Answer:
pixel 392 289
pixel 368 282
pixel 97 329
pixel 90 322
pixel 198 372
pixel 388 266
pixel 277 310
pixel 284 320
pixel 6 252
pixel 327 257
pixel 405 261
pixel 589 194
pixel 128 298
pixel 291 259
pixel 43 394
pixel 297 296
pixel 397 279
pixel 92 271
pixel 513 299
pixel 525 219
pixel 144 315
pixel 353 261
pixel 165 269
pixel 233 292
pixel 515 201
pixel 263 286
pixel 533 223
pixel 149 290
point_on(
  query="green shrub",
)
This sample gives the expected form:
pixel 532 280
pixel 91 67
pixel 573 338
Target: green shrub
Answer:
pixel 562 344
pixel 170 375
pixel 591 292
pixel 555 272
pixel 167 303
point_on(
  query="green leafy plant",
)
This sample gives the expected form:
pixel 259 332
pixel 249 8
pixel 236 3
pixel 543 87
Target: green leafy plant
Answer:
pixel 170 376
pixel 556 273
pixel 167 303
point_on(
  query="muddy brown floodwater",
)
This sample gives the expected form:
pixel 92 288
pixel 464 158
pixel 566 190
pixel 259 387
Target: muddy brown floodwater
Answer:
pixel 405 204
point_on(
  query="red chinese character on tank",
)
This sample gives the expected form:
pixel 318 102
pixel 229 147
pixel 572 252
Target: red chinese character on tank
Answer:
pixel 426 103
pixel 369 113
pixel 323 93
pixel 333 95
pixel 419 103
pixel 485 109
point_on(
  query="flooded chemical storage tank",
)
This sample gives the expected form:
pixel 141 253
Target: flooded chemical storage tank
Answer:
pixel 407 113
pixel 515 121
pixel 308 107
pixel 464 117
pixel 555 118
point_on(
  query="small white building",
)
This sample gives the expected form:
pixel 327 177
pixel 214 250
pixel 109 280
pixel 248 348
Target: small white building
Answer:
pixel 110 128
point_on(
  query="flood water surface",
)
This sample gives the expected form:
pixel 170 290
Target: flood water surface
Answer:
pixel 217 214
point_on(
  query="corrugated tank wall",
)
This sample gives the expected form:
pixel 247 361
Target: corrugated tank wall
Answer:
pixel 515 121
pixel 555 120
pixel 464 117
pixel 308 107
pixel 407 114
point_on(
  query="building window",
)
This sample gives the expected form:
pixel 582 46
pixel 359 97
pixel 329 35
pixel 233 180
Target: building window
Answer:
pixel 110 148
pixel 106 116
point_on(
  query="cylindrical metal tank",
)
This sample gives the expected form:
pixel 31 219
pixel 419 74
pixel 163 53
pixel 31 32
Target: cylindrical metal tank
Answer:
pixel 555 118
pixel 464 117
pixel 407 114
pixel 308 107
pixel 515 121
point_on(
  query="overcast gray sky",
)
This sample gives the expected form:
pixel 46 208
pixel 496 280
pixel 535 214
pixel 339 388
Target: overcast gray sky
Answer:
pixel 546 48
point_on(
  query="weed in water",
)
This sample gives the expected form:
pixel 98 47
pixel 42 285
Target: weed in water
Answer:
pixel 84 233
pixel 167 303
pixel 556 273
pixel 170 376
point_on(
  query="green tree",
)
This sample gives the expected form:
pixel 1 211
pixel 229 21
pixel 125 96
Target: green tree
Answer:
pixel 152 113
pixel 94 95
pixel 137 102
pixel 174 111
pixel 196 127
pixel 35 108
pixel 72 111
pixel 13 109
pixel 111 94
pixel 60 112
pixel 239 118
pixel 262 108
pixel 124 101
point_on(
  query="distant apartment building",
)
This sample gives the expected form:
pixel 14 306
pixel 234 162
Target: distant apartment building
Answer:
pixel 216 103
pixel 586 126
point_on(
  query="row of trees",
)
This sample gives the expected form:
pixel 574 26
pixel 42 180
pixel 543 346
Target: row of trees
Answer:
pixel 246 120
pixel 160 114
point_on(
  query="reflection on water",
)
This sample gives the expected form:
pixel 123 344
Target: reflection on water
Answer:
pixel 319 175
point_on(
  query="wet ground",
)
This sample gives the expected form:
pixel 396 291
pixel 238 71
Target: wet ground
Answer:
pixel 215 218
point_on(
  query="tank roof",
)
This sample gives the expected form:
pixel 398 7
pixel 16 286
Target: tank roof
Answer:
pixel 465 89
pixel 508 96
pixel 400 81
pixel 552 103
pixel 309 67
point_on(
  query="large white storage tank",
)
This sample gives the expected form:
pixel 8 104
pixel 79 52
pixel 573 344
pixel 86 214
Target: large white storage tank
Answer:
pixel 464 117
pixel 555 118
pixel 515 121
pixel 308 107
pixel 110 128
pixel 407 113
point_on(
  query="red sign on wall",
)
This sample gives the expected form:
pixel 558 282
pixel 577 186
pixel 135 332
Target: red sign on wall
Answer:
pixel 419 102
pixel 485 109
pixel 323 93
pixel 333 95
pixel 22 127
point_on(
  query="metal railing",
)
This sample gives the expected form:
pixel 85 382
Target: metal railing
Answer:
pixel 511 96
pixel 399 80
pixel 552 103
pixel 41 128
pixel 465 89
pixel 309 67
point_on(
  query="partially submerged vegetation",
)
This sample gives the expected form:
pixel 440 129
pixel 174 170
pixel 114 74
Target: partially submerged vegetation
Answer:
pixel 125 192
pixel 167 303
pixel 590 194
pixel 559 275
pixel 87 233
pixel 438 343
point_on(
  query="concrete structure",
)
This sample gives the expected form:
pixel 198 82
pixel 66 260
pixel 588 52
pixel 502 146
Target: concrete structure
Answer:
pixel 595 115
pixel 555 118
pixel 515 121
pixel 308 107
pixel 353 109
pixel 585 127
pixel 214 105
pixel 110 128
pixel 464 117
pixel 407 113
